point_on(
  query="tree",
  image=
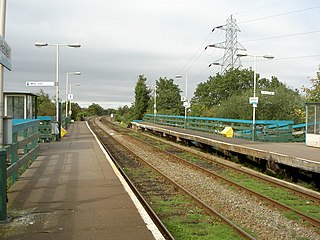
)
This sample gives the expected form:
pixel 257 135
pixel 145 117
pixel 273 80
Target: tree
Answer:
pixel 75 109
pixel 46 107
pixel 95 110
pixel 236 106
pixel 219 88
pixel 124 114
pixel 142 98
pixel 286 104
pixel 168 97
pixel 110 111
pixel 227 96
pixel 313 93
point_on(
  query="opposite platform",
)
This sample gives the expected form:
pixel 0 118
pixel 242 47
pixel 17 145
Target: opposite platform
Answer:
pixel 72 191
pixel 296 155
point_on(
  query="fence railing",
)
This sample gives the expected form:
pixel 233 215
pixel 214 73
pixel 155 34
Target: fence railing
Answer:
pixel 24 148
pixel 17 156
pixel 266 130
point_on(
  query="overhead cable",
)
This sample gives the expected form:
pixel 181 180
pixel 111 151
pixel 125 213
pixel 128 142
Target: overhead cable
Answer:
pixel 278 15
pixel 280 36
pixel 265 6
pixel 195 56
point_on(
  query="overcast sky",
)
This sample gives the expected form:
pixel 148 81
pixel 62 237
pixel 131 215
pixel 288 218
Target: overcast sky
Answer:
pixel 122 39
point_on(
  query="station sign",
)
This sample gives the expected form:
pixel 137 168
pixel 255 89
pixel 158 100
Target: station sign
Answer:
pixel 40 84
pixel 253 100
pixel 267 93
pixel 5 54
pixel 70 96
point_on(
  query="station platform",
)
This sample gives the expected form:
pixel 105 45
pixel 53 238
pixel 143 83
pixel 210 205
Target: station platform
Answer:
pixel 296 155
pixel 73 191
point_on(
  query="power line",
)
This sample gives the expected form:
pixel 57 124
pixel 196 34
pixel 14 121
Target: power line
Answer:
pixel 196 55
pixel 281 36
pixel 281 14
pixel 296 57
pixel 199 74
pixel 265 6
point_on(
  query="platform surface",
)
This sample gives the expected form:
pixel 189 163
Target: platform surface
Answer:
pixel 72 192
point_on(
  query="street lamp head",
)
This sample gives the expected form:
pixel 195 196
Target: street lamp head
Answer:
pixel 74 45
pixel 77 84
pixel 41 44
pixel 76 73
pixel 178 76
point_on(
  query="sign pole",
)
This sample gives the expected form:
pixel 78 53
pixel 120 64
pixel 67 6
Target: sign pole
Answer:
pixel 2 33
pixel 3 167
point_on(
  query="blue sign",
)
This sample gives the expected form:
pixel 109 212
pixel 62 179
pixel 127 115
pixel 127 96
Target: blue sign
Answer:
pixel 5 54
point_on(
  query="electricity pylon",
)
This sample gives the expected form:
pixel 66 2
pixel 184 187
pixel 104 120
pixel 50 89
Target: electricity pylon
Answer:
pixel 230 60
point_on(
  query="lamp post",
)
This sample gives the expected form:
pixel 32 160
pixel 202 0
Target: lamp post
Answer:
pixel 57 45
pixel 67 84
pixel 70 91
pixel 186 101
pixel 254 104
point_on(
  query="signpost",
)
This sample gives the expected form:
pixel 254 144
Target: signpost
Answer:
pixel 254 101
pixel 267 93
pixel 40 84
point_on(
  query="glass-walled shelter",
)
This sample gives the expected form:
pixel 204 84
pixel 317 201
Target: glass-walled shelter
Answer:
pixel 20 105
pixel 313 124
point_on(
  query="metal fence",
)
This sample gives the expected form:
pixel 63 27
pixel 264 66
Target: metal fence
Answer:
pixel 17 156
pixel 266 130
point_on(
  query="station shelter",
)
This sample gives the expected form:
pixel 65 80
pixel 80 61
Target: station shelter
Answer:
pixel 20 105
pixel 313 124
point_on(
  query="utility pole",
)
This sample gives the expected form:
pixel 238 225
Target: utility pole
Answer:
pixel 230 45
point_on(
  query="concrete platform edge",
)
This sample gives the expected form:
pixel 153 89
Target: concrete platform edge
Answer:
pixel 144 215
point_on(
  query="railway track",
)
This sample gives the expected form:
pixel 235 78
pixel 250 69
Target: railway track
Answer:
pixel 297 190
pixel 209 210
pixel 208 160
pixel 211 174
